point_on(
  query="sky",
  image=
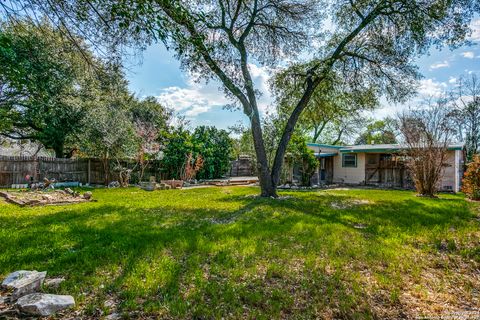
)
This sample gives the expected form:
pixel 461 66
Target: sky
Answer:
pixel 159 74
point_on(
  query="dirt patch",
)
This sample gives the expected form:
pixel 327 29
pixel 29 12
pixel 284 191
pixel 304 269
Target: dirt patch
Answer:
pixel 41 198
pixel 349 204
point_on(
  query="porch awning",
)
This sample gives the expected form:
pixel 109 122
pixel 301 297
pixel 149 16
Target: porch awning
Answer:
pixel 324 154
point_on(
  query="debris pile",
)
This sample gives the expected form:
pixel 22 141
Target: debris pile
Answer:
pixel 39 198
pixel 163 185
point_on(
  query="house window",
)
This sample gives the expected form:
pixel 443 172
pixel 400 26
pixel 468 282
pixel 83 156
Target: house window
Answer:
pixel 349 160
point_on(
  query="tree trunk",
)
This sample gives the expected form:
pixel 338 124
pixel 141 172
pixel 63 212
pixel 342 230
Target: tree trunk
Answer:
pixel 288 131
pixel 58 148
pixel 268 188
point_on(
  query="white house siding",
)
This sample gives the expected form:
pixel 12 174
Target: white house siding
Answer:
pixel 451 177
pixel 349 175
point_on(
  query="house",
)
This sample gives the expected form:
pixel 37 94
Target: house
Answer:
pixel 378 164
pixel 9 147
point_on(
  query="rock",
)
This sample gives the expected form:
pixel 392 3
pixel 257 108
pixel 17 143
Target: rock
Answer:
pixel 68 190
pixel 3 300
pixel 53 283
pixel 110 304
pixel 114 184
pixel 148 186
pixel 23 282
pixel 87 195
pixel 47 197
pixel 113 316
pixel 360 226
pixel 33 202
pixel 43 304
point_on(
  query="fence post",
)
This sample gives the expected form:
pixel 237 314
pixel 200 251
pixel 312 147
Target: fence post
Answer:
pixel 36 168
pixel 88 172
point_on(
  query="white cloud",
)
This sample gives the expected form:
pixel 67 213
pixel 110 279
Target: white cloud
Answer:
pixel 468 54
pixel 475 26
pixel 193 100
pixel 197 98
pixel 439 65
pixel 452 80
pixel 431 88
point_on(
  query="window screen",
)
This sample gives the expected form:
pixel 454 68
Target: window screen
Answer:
pixel 349 160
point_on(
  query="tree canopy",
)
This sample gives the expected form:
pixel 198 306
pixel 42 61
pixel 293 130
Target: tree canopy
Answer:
pixel 44 83
pixel 379 132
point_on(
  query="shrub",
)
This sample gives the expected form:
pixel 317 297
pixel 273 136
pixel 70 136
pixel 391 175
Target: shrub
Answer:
pixel 471 179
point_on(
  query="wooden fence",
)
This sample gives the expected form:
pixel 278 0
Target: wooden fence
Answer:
pixel 15 169
pixel 242 167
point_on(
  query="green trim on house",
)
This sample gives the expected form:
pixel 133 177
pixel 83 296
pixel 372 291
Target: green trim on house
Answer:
pixel 324 155
pixel 311 144
pixel 385 150
pixel 368 150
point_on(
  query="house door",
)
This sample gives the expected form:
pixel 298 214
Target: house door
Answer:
pixel 322 170
pixel 326 170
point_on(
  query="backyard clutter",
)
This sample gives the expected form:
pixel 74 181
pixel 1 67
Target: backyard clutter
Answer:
pixel 20 294
pixel 41 198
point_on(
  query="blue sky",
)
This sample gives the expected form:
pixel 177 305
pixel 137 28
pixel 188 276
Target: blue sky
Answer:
pixel 159 75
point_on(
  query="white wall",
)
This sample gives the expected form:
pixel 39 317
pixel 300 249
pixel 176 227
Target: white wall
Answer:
pixel 349 175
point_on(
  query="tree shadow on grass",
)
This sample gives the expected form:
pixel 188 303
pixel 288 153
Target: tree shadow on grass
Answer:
pixel 190 260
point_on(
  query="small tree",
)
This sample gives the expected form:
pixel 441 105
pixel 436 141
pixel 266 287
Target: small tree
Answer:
pixel 192 166
pixel 177 148
pixel 471 179
pixel 150 120
pixel 426 134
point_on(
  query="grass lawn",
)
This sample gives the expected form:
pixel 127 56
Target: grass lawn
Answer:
pixel 221 252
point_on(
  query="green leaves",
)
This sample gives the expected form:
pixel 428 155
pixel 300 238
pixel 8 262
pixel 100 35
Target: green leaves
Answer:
pixel 42 80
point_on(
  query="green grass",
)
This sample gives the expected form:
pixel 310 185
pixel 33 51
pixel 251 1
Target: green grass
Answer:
pixel 221 252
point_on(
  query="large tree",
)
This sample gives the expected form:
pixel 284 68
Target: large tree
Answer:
pixel 379 131
pixel 368 42
pixel 44 81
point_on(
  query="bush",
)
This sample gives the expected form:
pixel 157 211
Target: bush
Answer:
pixel 471 179
pixel 304 157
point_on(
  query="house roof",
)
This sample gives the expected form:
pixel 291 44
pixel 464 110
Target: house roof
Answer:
pixel 369 148
pixel 324 154
pixel 387 147
pixel 311 144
